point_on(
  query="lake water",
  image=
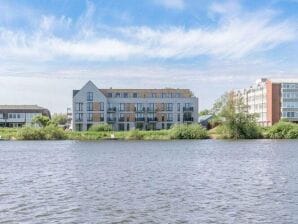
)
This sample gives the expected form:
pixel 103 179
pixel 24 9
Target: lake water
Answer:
pixel 205 181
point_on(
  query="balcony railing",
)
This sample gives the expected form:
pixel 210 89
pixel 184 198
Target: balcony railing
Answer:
pixel 187 108
pixel 150 109
pixel 140 119
pixel 152 119
pixel 142 109
pixel 111 119
pixel 188 119
pixel 112 109
pixel 121 119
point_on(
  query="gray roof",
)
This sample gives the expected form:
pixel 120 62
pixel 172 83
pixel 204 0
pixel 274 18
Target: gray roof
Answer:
pixel 21 107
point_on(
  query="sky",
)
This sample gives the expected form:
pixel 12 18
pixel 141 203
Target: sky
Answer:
pixel 50 47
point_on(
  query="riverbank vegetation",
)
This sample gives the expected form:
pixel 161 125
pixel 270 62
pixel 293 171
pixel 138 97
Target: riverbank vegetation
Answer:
pixel 47 130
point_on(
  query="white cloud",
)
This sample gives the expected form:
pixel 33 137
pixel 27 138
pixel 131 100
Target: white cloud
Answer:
pixel 235 38
pixel 172 4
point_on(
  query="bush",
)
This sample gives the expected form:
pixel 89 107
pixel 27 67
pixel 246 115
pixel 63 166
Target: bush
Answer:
pixel 191 131
pixel 50 132
pixel 100 127
pixel 282 130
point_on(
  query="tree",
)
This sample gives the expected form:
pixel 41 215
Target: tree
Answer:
pixel 205 112
pixel 59 119
pixel 237 123
pixel 41 120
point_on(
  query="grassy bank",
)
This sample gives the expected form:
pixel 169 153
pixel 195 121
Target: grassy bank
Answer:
pixel 281 130
pixel 52 132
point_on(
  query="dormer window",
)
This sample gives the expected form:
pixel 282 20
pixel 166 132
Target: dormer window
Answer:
pixel 89 96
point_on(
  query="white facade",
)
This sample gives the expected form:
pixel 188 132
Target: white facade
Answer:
pixel 289 100
pixel 127 110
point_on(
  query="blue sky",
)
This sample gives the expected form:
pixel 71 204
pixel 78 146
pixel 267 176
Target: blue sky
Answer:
pixel 49 47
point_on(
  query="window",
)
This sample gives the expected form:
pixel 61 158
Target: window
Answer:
pixel 154 95
pixel 89 106
pixel 18 116
pixel 89 96
pixel 79 117
pixel 101 106
pixel 10 115
pixel 170 117
pixel 169 107
pixel 178 117
pixel 178 107
pixel 90 117
pixel 118 95
pixel 14 116
pixel 135 95
pixel 139 107
pixel 79 106
pixel 125 95
pixel 151 107
pixel 101 116
pixel 110 95
pixel 121 107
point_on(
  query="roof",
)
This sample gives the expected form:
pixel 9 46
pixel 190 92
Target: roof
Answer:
pixel 21 107
pixel 204 118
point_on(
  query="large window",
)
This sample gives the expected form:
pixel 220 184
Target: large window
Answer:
pixel 121 108
pixel 89 96
pixel 90 117
pixel 170 117
pixel 169 107
pixel 89 106
pixel 79 106
pixel 101 106
pixel 79 117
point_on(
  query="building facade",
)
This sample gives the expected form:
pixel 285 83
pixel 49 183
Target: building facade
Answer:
pixel 20 115
pixel 271 100
pixel 128 109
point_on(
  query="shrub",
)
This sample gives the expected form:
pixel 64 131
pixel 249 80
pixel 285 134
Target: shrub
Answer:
pixel 293 133
pixel 50 132
pixel 100 127
pixel 282 130
pixel 191 131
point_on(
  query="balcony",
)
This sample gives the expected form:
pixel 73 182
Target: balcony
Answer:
pixel 111 119
pixel 121 119
pixel 188 119
pixel 151 110
pixel 152 119
pixel 188 109
pixel 142 109
pixel 142 119
pixel 112 109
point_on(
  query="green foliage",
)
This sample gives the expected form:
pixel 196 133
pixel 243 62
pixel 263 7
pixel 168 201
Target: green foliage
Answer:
pixel 41 120
pixel 237 124
pixel 135 135
pixel 205 112
pixel 59 119
pixel 191 131
pixel 101 127
pixel 282 130
pixel 50 132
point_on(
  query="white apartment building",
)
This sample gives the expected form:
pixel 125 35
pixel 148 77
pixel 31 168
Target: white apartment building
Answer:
pixel 271 100
pixel 127 109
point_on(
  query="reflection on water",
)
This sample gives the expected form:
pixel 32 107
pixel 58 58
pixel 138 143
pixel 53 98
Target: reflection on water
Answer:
pixel 149 182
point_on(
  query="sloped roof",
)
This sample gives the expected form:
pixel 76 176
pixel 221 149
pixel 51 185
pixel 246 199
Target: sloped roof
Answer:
pixel 21 107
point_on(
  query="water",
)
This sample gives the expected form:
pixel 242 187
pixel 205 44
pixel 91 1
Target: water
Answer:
pixel 149 182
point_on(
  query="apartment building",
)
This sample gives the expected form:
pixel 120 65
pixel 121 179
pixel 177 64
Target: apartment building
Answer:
pixel 19 115
pixel 127 109
pixel 271 100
